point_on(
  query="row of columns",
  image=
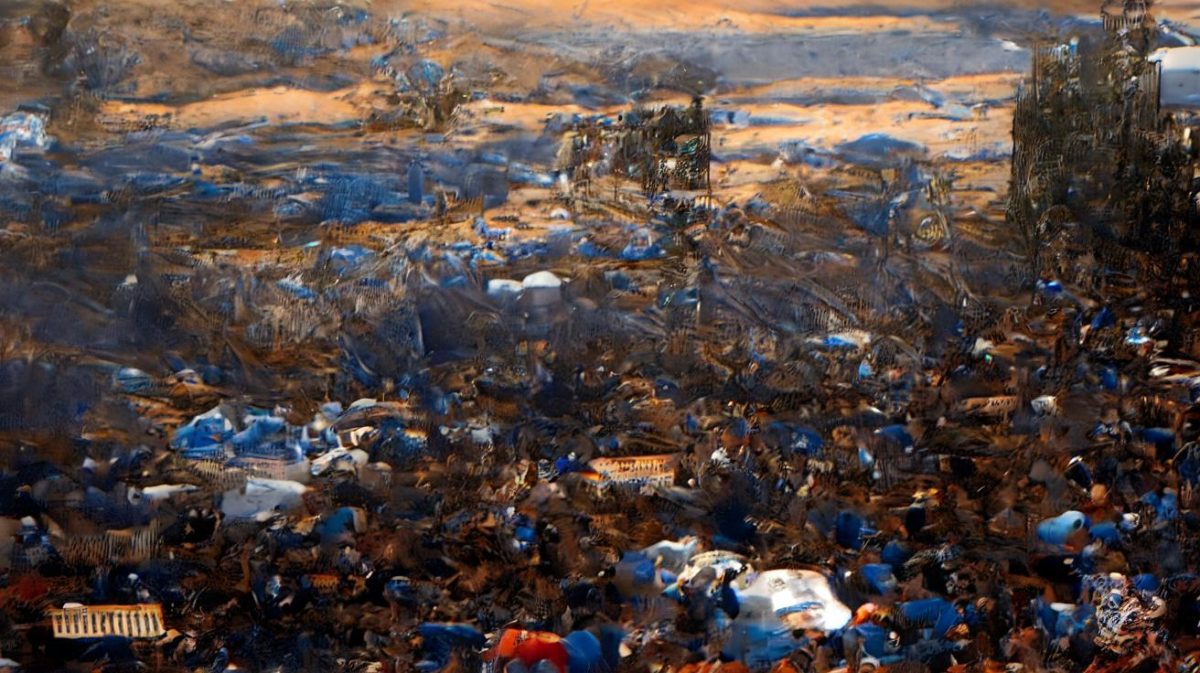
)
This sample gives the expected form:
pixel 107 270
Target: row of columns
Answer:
pixel 140 621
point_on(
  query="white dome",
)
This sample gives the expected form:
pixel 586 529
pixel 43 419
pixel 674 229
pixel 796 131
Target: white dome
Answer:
pixel 541 279
pixel 502 286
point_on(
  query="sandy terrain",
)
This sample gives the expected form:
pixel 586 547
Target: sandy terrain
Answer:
pixel 752 15
pixel 281 105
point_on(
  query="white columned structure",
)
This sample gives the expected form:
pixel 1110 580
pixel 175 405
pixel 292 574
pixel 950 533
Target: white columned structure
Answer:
pixel 97 621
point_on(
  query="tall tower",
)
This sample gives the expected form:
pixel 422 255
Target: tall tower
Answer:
pixel 1131 22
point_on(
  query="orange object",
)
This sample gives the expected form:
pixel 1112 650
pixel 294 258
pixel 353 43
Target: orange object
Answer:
pixel 530 647
pixel 507 647
pixel 864 613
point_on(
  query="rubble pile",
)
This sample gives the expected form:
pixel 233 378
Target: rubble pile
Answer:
pixel 600 410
